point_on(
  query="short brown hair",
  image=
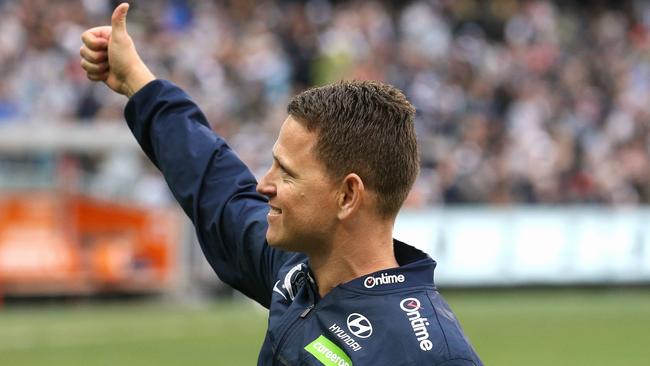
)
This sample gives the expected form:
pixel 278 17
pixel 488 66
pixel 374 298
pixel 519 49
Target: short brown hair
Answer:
pixel 364 127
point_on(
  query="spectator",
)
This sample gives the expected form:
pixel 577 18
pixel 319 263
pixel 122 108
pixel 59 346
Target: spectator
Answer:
pixel 518 101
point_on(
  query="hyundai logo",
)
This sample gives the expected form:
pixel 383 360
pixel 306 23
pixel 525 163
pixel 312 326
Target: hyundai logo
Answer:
pixel 359 325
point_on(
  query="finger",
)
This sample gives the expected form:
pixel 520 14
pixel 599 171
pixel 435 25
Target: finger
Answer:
pixel 96 39
pixel 118 19
pixel 97 77
pixel 103 31
pixel 94 67
pixel 93 56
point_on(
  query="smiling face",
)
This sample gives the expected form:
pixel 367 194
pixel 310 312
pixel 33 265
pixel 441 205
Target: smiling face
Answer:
pixel 301 195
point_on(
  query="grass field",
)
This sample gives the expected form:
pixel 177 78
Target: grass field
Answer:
pixel 573 328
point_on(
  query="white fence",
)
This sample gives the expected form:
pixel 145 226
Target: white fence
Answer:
pixel 477 246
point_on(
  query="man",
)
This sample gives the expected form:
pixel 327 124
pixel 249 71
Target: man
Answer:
pixel 313 240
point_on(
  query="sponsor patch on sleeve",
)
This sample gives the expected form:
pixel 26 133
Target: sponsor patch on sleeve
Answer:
pixel 328 353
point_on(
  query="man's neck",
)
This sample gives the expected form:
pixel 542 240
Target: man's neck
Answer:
pixel 353 256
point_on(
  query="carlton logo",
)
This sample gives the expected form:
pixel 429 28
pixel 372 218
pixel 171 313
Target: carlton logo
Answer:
pixel 411 307
pixel 384 279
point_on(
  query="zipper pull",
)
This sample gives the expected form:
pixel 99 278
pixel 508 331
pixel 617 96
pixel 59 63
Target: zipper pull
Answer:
pixel 306 311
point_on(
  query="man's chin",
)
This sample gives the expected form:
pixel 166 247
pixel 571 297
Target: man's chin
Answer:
pixel 278 243
pixel 273 241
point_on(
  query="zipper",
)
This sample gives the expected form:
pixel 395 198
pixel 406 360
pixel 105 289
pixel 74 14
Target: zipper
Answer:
pixel 305 312
pixel 288 330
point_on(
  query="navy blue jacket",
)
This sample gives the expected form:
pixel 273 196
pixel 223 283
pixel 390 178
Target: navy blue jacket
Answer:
pixel 391 317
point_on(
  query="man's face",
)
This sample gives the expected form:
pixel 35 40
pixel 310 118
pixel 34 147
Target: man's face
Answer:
pixel 301 195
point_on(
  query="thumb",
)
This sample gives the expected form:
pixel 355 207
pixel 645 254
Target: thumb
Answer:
pixel 118 19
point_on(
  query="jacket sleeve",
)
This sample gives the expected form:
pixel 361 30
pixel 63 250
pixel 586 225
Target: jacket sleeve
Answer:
pixel 214 188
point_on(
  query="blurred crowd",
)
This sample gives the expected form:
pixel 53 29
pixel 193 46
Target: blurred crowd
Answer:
pixel 518 101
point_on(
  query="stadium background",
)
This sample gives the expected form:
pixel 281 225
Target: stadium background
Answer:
pixel 533 121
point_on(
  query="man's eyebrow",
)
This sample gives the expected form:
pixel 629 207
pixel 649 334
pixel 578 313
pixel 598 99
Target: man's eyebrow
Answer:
pixel 284 166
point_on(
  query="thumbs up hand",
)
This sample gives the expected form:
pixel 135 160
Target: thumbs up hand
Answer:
pixel 109 55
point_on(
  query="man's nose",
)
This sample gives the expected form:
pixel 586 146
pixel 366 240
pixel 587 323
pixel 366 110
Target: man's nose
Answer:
pixel 265 187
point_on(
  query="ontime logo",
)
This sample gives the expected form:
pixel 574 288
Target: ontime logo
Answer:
pixel 383 279
pixel 411 306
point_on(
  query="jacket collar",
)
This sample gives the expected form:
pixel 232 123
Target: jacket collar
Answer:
pixel 416 269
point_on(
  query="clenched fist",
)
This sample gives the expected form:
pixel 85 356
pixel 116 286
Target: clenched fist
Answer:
pixel 109 55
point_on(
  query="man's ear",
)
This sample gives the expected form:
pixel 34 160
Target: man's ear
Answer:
pixel 350 195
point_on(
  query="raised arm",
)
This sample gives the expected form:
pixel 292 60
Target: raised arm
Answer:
pixel 214 188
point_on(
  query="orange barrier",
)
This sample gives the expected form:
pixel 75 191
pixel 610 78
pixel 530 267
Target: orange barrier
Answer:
pixel 68 244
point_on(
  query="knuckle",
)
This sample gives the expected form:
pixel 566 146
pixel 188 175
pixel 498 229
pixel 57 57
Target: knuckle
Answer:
pixel 90 57
pixel 96 76
pixel 97 56
pixel 86 38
